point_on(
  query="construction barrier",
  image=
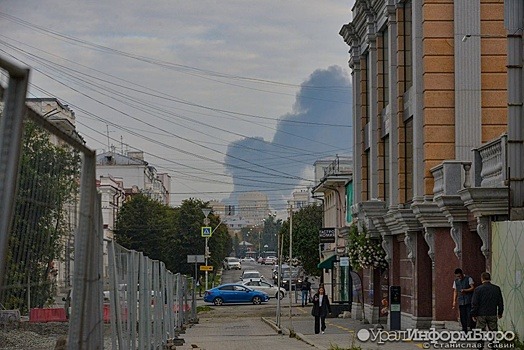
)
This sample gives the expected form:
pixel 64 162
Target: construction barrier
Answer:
pixel 47 315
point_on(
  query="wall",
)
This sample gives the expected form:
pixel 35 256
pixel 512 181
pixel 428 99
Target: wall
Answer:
pixel 507 271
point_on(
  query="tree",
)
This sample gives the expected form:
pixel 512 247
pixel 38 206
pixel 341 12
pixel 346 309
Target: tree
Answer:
pixel 145 225
pixel 47 189
pixel 270 230
pixel 306 225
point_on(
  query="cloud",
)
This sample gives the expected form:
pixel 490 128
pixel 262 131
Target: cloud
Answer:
pixel 318 126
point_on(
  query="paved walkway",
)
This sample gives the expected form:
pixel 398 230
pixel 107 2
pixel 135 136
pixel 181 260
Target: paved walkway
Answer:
pixel 254 333
pixel 340 333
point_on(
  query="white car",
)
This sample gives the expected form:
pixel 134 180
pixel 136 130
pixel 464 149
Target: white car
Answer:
pixel 250 275
pixel 231 263
pixel 270 260
pixel 271 290
pixel 247 259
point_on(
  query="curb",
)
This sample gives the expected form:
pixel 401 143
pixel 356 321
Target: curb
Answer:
pixel 283 330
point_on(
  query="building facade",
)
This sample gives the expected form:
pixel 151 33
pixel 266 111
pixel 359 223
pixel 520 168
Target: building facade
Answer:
pixel 430 92
pixel 331 189
pixel 136 173
pixel 253 207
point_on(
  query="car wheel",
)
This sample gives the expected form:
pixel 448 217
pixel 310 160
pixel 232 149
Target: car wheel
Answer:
pixel 280 295
pixel 218 301
pixel 257 300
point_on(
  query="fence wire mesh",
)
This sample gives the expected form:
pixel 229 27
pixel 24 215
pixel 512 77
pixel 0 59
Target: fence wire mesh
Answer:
pixel 52 253
pixel 151 303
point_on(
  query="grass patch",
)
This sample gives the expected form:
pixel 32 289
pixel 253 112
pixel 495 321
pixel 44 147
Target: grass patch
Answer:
pixel 204 308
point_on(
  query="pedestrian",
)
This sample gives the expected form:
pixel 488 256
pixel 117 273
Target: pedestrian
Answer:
pixel 199 285
pixel 487 304
pixel 463 288
pixel 320 310
pixel 305 288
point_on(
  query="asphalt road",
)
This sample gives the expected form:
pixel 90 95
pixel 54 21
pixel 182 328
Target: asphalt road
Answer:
pixel 240 326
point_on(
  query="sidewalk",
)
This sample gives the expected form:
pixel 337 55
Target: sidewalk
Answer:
pixel 341 333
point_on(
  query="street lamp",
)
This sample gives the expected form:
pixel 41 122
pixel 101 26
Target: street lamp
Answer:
pixel 206 212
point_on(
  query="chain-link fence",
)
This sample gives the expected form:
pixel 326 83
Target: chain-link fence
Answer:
pixel 51 236
pixel 51 225
pixel 151 304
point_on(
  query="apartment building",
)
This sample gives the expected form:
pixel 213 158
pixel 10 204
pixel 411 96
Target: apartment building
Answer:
pixel 136 173
pixel 430 92
pixel 253 207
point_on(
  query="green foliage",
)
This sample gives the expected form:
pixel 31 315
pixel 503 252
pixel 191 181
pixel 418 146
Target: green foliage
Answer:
pixel 47 189
pixel 144 224
pixel 270 231
pixel 170 234
pixel 307 223
pixel 364 251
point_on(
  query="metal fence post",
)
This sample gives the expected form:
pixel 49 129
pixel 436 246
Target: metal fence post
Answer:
pixel 11 127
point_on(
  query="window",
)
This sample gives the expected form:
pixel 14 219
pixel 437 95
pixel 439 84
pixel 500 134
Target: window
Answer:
pixel 386 158
pixel 408 125
pixel 408 45
pixel 367 175
pixel 385 67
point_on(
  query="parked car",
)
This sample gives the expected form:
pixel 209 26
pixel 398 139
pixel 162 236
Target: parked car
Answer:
pixel 272 290
pixel 250 274
pixel 260 260
pixel 247 259
pixel 270 260
pixel 231 263
pixel 234 293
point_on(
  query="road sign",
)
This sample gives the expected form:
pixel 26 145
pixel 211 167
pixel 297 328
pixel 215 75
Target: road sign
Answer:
pixel 344 261
pixel 193 259
pixel 206 268
pixel 206 231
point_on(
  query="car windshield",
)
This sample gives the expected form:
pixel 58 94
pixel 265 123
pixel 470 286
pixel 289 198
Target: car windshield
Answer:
pixel 251 275
pixel 233 260
pixel 287 273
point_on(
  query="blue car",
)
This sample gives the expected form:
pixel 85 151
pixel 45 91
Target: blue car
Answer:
pixel 234 293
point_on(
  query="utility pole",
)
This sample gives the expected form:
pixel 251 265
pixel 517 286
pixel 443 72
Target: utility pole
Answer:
pixel 290 271
pixel 206 212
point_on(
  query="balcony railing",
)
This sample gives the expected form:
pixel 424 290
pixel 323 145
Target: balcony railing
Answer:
pixel 490 163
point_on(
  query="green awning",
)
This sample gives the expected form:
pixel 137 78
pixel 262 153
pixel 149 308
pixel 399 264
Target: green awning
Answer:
pixel 327 263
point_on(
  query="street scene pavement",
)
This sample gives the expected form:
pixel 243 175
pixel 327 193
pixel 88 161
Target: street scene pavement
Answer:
pixel 245 332
pixel 231 327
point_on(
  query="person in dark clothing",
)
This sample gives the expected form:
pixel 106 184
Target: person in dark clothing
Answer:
pixel 463 287
pixel 487 304
pixel 305 289
pixel 320 310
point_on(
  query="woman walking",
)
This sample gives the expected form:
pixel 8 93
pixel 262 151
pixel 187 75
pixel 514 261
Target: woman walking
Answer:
pixel 320 310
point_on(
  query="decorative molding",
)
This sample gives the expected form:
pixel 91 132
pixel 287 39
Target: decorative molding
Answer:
pixel 387 245
pixel 483 224
pixel 456 235
pixel 429 236
pixel 409 241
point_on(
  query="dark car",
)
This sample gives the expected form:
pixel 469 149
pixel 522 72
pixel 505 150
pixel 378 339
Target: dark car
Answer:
pixel 297 276
pixel 234 293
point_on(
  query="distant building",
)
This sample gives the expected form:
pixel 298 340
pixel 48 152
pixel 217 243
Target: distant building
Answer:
pixel 253 207
pixel 299 199
pixel 136 173
pixel 57 113
pixel 112 195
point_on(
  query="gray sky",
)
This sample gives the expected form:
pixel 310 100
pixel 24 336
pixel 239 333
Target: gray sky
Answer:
pixel 193 83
